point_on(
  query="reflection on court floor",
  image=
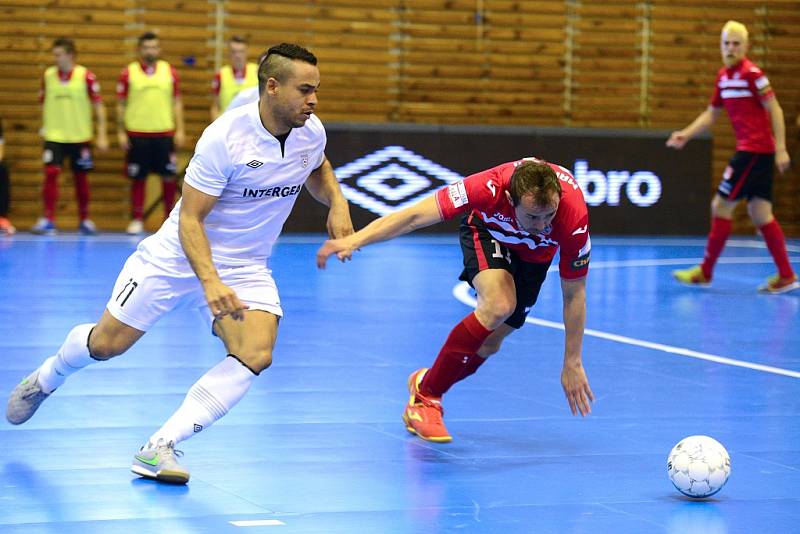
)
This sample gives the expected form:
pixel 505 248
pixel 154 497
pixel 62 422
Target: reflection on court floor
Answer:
pixel 318 444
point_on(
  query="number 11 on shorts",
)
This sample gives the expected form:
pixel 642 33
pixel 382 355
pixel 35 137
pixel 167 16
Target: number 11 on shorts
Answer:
pixel 126 292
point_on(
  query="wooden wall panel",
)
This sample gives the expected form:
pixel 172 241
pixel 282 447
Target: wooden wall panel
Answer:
pixel 598 63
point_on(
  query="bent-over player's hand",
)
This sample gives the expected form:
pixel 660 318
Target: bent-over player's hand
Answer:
pixel 576 388
pixel 339 222
pixel 341 247
pixel 677 140
pixel 223 300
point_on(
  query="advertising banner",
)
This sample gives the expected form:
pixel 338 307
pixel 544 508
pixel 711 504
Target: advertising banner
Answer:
pixel 632 183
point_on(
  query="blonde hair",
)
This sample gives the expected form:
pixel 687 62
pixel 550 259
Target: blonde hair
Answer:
pixel 735 27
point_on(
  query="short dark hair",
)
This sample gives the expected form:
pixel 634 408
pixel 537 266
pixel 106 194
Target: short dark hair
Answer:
pixel 66 43
pixel 535 178
pixel 276 66
pixel 238 39
pixel 146 36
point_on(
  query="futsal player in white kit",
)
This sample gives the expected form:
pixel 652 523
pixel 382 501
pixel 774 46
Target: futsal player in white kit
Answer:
pixel 240 186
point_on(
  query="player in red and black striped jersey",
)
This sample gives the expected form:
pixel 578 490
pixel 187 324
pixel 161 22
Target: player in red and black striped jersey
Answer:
pixel 757 118
pixel 515 217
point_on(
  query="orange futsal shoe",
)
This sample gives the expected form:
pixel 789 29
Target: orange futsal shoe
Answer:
pixel 423 415
pixel 777 285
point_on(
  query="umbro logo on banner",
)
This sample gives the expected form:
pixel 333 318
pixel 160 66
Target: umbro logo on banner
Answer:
pixel 255 164
pixel 391 179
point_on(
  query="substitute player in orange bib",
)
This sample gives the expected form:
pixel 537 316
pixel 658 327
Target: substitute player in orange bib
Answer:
pixel 746 94
pixel 516 216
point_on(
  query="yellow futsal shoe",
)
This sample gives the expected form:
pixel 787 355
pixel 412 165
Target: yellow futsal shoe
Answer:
pixel 776 285
pixel 423 415
pixel 692 277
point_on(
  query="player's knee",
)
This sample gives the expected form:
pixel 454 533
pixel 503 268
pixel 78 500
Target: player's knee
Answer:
pixel 256 360
pixel 500 309
pixel 104 347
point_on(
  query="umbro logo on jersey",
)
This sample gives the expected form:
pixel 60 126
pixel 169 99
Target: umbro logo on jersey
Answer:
pixel 255 164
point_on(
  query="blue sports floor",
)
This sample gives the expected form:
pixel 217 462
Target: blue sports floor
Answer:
pixel 318 445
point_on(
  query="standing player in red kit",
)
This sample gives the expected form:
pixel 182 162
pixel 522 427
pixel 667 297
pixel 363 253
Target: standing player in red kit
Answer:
pixel 516 216
pixel 745 93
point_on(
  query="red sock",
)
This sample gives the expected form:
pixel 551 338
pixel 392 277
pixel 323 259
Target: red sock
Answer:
pixel 137 199
pixel 454 357
pixel 471 366
pixel 50 190
pixel 776 244
pixel 82 193
pixel 720 230
pixel 168 186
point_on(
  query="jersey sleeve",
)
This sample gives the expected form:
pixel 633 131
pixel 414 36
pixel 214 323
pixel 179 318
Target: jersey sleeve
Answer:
pixel 461 196
pixel 215 84
pixel 176 82
pixel 716 98
pixel 122 85
pixel 759 84
pixel 576 246
pixel 93 87
pixel 210 168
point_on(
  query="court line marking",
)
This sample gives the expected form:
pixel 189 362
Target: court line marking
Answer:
pixel 257 523
pixel 461 293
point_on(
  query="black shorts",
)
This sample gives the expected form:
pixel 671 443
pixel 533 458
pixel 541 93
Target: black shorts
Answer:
pixel 151 154
pixel 748 175
pixel 80 155
pixel 482 251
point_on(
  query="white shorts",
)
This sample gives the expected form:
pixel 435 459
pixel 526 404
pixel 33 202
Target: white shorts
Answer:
pixel 147 289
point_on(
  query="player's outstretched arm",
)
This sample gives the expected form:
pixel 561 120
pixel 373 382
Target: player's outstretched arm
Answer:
pixel 423 213
pixel 324 187
pixel 573 376
pixel 703 122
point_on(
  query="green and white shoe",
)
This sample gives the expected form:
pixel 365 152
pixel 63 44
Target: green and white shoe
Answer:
pixel 25 399
pixel 160 462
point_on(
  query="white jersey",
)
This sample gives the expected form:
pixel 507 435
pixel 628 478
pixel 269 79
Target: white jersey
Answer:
pixel 240 162
pixel 245 96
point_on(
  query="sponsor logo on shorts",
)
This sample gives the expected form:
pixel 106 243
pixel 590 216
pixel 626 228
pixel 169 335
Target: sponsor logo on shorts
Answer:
pixel 727 173
pixel 580 263
pixel 254 164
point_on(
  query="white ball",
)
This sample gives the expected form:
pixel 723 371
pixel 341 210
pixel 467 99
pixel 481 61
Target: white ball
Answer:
pixel 699 466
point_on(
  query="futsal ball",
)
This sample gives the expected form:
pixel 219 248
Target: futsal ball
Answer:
pixel 699 466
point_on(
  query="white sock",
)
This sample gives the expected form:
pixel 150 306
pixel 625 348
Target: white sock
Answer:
pixel 208 399
pixel 70 358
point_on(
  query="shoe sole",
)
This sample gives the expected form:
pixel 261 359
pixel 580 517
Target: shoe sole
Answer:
pixel 165 475
pixel 412 430
pixel 785 289
pixel 703 285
